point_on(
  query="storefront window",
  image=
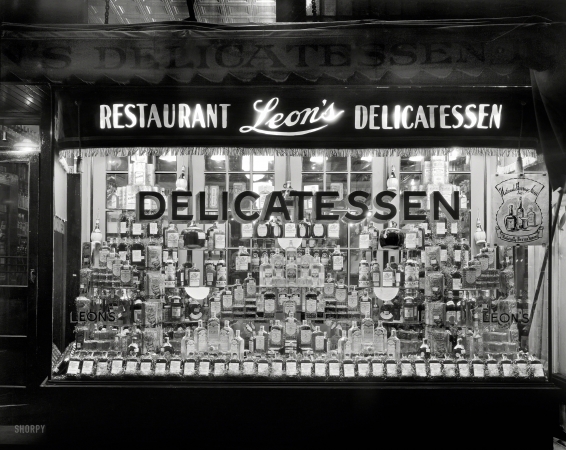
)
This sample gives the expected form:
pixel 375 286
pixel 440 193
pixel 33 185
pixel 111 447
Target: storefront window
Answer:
pixel 228 298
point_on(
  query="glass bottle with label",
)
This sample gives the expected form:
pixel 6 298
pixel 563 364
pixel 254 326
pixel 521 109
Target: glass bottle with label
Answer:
pixel 209 273
pixel 388 279
pixel 304 279
pixel 355 337
pixel 269 303
pixel 243 260
pixel 227 301
pixel 276 340
pixel 394 345
pixel 192 275
pixel 317 273
pixel 226 336
pixel 171 236
pixel 219 237
pixel 325 258
pixel 305 337
pixel 261 340
pixel 375 272
pixel 364 280
pixel 386 311
pixel 193 237
pixel 337 260
pixel 365 238
pixel 318 231
pixel 292 272
pixel 237 345
pixel 329 289
pixel 409 310
pixel 380 339
pixel 103 254
pixel 391 238
pixel 221 274
pixel 201 337
pixel 367 331
pixel 341 293
pixel 266 273
pixel 123 249
pixel 344 346
pixel 250 286
pixel 209 235
pixel 170 271
pixel 126 273
pixel 275 228
pixel 291 328
pixel 399 273
pixel 353 303
pixel 213 330
pixel 411 272
pixel 311 299
pixel 303 229
pixel 319 341
pixel 255 259
pixel 124 225
pixel 365 303
pixel 262 230
pixel 424 349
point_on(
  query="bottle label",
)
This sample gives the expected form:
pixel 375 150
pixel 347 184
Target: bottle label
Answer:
pixel 137 256
pixel 410 240
pixel 262 368
pixel 441 228
pixel 136 229
pixel 456 284
pixel 219 241
pixel 262 230
pixel 291 368
pixel 290 328
pixel 334 369
pixel 411 277
pixel 353 301
pixel 189 368
pixel 337 262
pixel 341 294
pixel 234 368
pixel 123 227
pixel 318 230
pixel 102 368
pixel 457 255
pixel 364 240
pixel 349 370
pixel 215 308
pixel 227 301
pixel 204 368
pixel 277 368
pixel 194 279
pixel 454 228
pixel 210 277
pixel 260 342
pixel 104 255
pixel 443 254
pixel 377 368
pixel 319 343
pixel 329 289
pixel 435 369
pixel 311 305
pixel 306 368
pixel 123 255
pixel 376 278
pixel 306 336
pixel 247 230
pixel 172 240
pixel 334 230
pixel 126 275
pixel 388 278
pixel 87 367
pixel 276 337
pixel 153 228
pixel 241 263
pixel 174 367
pixel 131 367
pixel 269 305
pixel 251 288
pixel 239 296
pixel 290 230
pixel 479 370
pixel 420 369
pixel 319 369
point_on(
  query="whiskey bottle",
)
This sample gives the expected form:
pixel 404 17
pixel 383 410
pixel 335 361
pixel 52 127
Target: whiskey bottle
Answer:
pixel 394 345
pixel 305 337
pixel 329 289
pixel 531 217
pixel 226 336
pixel 409 310
pixel 520 214
pixel 318 231
pixel 227 302
pixel 411 280
pixel 388 279
pixel 391 238
pixel 262 230
pixel 269 304
pixel 424 349
pixel 364 280
pixel 380 339
pixel 375 272
pixel 201 338
pixel 171 236
pixel 237 345
pixel 365 303
pixel 261 340
pixel 126 274
pixel 276 340
pixel 367 332
pixel 266 273
pixel 317 273
pixel 353 303
pixel 355 337
pixel 292 272
pixel 221 274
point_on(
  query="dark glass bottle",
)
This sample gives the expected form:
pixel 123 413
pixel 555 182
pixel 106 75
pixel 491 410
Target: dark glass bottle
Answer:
pixel 391 238
pixel 193 236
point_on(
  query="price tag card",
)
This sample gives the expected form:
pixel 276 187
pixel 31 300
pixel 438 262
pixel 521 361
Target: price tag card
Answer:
pixel 522 369
pixel 507 370
pixel 189 368
pixel 175 367
pixel 160 368
pixel 247 230
pixel 493 370
pixel 377 368
pixel 277 368
pixel 364 241
pixel 538 371
pixel 116 367
pixel 464 370
pixel 306 369
pixel 249 367
pixel 291 368
pixel 420 369
pixel 219 369
pixel 410 240
pixel 263 368
pixel 450 369
pixel 435 369
pixel 391 369
pixel 334 369
pixel 87 368
pixel 234 368
pixel 363 369
pixel 320 369
pixel 406 369
pixel 204 368
pixel 102 369
pixel 73 368
pixel 131 367
pixel 479 370
pixel 290 230
pixel 145 368
pixel 349 370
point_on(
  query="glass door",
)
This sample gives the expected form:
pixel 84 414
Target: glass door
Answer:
pixel 18 258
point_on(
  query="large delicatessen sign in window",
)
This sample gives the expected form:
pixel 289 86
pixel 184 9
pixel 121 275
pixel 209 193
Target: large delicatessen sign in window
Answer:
pixel 305 117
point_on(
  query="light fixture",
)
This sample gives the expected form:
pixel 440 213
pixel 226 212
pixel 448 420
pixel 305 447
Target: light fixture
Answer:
pixel 479 235
pixel 27 145
pixel 169 157
pixel 454 154
pixel 392 181
pixel 367 158
pixel 4 136
pixel 217 157
pixel 317 159
pixel 416 158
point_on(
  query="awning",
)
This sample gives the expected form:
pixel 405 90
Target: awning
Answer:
pixel 383 53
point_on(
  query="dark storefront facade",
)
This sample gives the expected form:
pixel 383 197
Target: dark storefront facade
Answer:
pixel 347 218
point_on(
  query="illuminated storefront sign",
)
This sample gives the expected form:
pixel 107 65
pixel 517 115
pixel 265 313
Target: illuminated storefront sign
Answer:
pixel 292 117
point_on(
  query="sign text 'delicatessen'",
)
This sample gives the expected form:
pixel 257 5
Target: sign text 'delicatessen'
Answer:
pixel 243 115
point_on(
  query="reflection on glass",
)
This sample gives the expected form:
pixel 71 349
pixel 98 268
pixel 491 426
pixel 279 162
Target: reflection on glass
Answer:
pixel 166 165
pixel 263 163
pixel 362 164
pixel 117 163
pixel 112 219
pixel 361 182
pixel 411 163
pixel 115 185
pixel 236 163
pixel 338 182
pixel 312 182
pixel 336 163
pixel 14 205
pixel 263 184
pixel 239 182
pixel 215 163
pixel 313 163
pixel 458 162
pixel 411 182
pixel 166 180
pixel 214 184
